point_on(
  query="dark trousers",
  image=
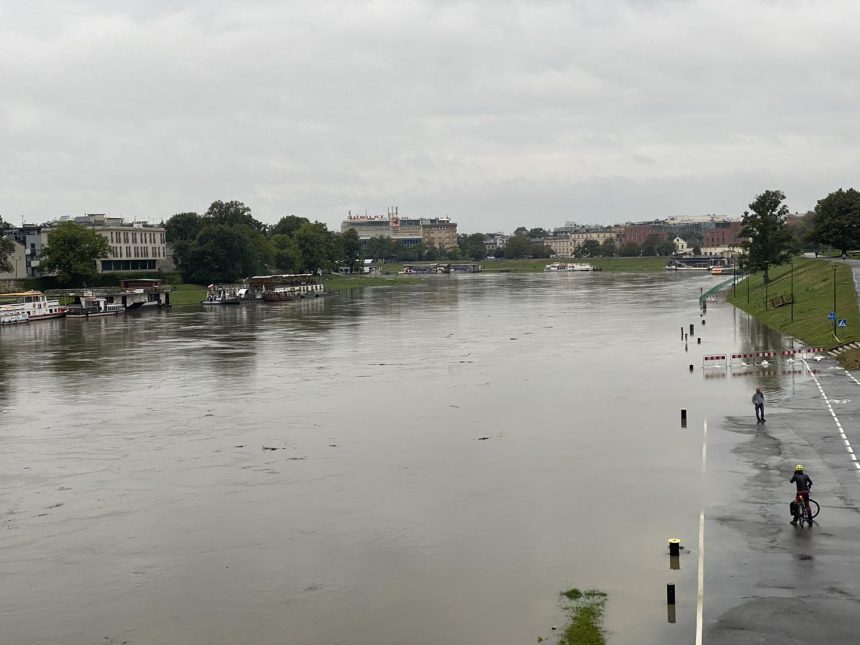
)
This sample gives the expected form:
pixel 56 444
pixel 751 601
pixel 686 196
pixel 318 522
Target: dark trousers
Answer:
pixel 759 412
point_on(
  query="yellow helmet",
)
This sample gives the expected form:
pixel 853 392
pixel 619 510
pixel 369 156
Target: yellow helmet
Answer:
pixel 798 468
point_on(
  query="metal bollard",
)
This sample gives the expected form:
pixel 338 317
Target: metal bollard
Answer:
pixel 670 594
pixel 699 341
pixel 683 417
pixel 691 367
pixel 674 546
pixel 691 329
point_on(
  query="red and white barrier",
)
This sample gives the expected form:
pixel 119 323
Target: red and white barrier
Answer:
pixel 714 360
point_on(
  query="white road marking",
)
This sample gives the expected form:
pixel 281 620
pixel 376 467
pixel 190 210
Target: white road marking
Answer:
pixel 700 592
pixel 827 401
pixel 849 375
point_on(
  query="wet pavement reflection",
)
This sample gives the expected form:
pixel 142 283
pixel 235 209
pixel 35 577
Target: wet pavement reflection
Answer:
pixel 426 464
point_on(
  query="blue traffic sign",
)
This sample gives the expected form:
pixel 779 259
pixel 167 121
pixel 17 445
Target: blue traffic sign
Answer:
pixel 831 315
pixel 842 323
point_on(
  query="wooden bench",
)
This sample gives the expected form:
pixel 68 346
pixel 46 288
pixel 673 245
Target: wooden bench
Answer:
pixel 780 301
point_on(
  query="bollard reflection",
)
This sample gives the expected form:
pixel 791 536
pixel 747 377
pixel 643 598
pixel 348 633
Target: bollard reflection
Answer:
pixel 671 613
pixel 675 562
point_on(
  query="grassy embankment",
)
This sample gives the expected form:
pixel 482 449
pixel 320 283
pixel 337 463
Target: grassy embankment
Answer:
pixel 585 611
pixel 813 300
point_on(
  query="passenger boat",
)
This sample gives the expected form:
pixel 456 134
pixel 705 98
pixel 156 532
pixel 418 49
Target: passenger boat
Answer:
pixel 33 303
pixel 13 315
pixel 222 294
pixel 722 270
pixel 294 287
pixel 567 266
pixel 94 306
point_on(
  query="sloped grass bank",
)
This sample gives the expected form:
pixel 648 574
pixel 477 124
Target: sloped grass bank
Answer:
pixel 813 290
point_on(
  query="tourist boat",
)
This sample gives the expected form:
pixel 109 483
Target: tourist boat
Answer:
pixel 303 286
pixel 222 294
pixel 567 266
pixel 34 303
pixel 13 314
pixel 722 270
pixel 94 306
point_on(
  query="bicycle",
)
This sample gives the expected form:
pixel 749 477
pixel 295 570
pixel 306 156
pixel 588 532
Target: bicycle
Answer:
pixel 801 513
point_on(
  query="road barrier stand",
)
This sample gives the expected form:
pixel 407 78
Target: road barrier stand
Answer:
pixel 714 360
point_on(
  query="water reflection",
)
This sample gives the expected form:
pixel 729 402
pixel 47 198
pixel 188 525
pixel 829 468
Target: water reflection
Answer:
pixel 437 436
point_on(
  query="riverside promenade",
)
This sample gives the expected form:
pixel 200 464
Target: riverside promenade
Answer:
pixel 764 580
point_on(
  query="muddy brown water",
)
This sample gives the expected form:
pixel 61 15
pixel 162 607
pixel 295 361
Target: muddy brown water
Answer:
pixel 448 457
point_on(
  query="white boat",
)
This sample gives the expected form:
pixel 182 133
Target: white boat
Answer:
pixel 94 306
pixel 222 294
pixel 567 266
pixel 13 314
pixel 34 303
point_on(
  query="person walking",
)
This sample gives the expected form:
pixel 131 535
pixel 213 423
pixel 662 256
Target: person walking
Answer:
pixel 758 402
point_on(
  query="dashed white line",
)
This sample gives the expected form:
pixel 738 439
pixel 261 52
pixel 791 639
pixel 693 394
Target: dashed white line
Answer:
pixel 847 443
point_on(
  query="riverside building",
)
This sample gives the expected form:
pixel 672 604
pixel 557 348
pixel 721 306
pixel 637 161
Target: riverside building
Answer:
pixel 440 232
pixel 135 246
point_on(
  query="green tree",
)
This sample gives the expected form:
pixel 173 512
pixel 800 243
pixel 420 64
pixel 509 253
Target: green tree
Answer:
pixel 351 250
pixel 630 250
pixel 231 213
pixel 537 233
pixel 289 225
pixel 539 250
pixel 223 253
pixel 182 227
pixel 769 242
pixel 697 250
pixel 521 230
pixel 518 246
pixel 288 255
pixel 472 246
pixel 72 252
pixel 315 243
pixel 7 247
pixel 588 249
pixel 665 247
pixel 609 248
pixel 836 221
pixel 649 246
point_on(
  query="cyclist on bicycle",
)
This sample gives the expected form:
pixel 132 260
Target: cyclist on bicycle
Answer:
pixel 804 485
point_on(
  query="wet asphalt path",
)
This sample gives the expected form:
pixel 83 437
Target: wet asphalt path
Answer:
pixel 767 581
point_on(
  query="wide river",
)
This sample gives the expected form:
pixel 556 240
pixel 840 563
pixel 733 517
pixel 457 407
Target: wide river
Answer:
pixel 427 464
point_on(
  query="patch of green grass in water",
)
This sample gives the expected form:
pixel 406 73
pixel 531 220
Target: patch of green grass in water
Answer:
pixel 585 610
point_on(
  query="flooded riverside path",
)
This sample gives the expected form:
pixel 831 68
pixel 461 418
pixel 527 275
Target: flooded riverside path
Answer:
pixel 449 457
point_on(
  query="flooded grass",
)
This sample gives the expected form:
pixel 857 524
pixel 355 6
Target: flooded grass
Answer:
pixel 585 611
pixel 813 284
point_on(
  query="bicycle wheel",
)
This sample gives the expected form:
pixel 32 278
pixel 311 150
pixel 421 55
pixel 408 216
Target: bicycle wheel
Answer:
pixel 814 507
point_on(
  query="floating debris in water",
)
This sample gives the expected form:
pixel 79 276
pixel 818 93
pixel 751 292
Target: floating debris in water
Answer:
pixel 268 448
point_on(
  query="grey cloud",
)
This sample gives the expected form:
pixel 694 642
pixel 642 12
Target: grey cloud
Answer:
pixel 498 114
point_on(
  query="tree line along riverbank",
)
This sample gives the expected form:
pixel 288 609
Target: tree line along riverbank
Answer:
pixel 798 299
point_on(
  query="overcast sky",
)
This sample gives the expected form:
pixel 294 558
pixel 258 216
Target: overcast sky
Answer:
pixel 495 113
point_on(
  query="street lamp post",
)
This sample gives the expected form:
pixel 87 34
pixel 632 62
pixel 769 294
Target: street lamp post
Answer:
pixel 792 290
pixel 764 277
pixel 834 300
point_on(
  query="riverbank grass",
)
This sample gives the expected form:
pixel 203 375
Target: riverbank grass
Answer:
pixel 813 301
pixel 187 294
pixel 585 611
